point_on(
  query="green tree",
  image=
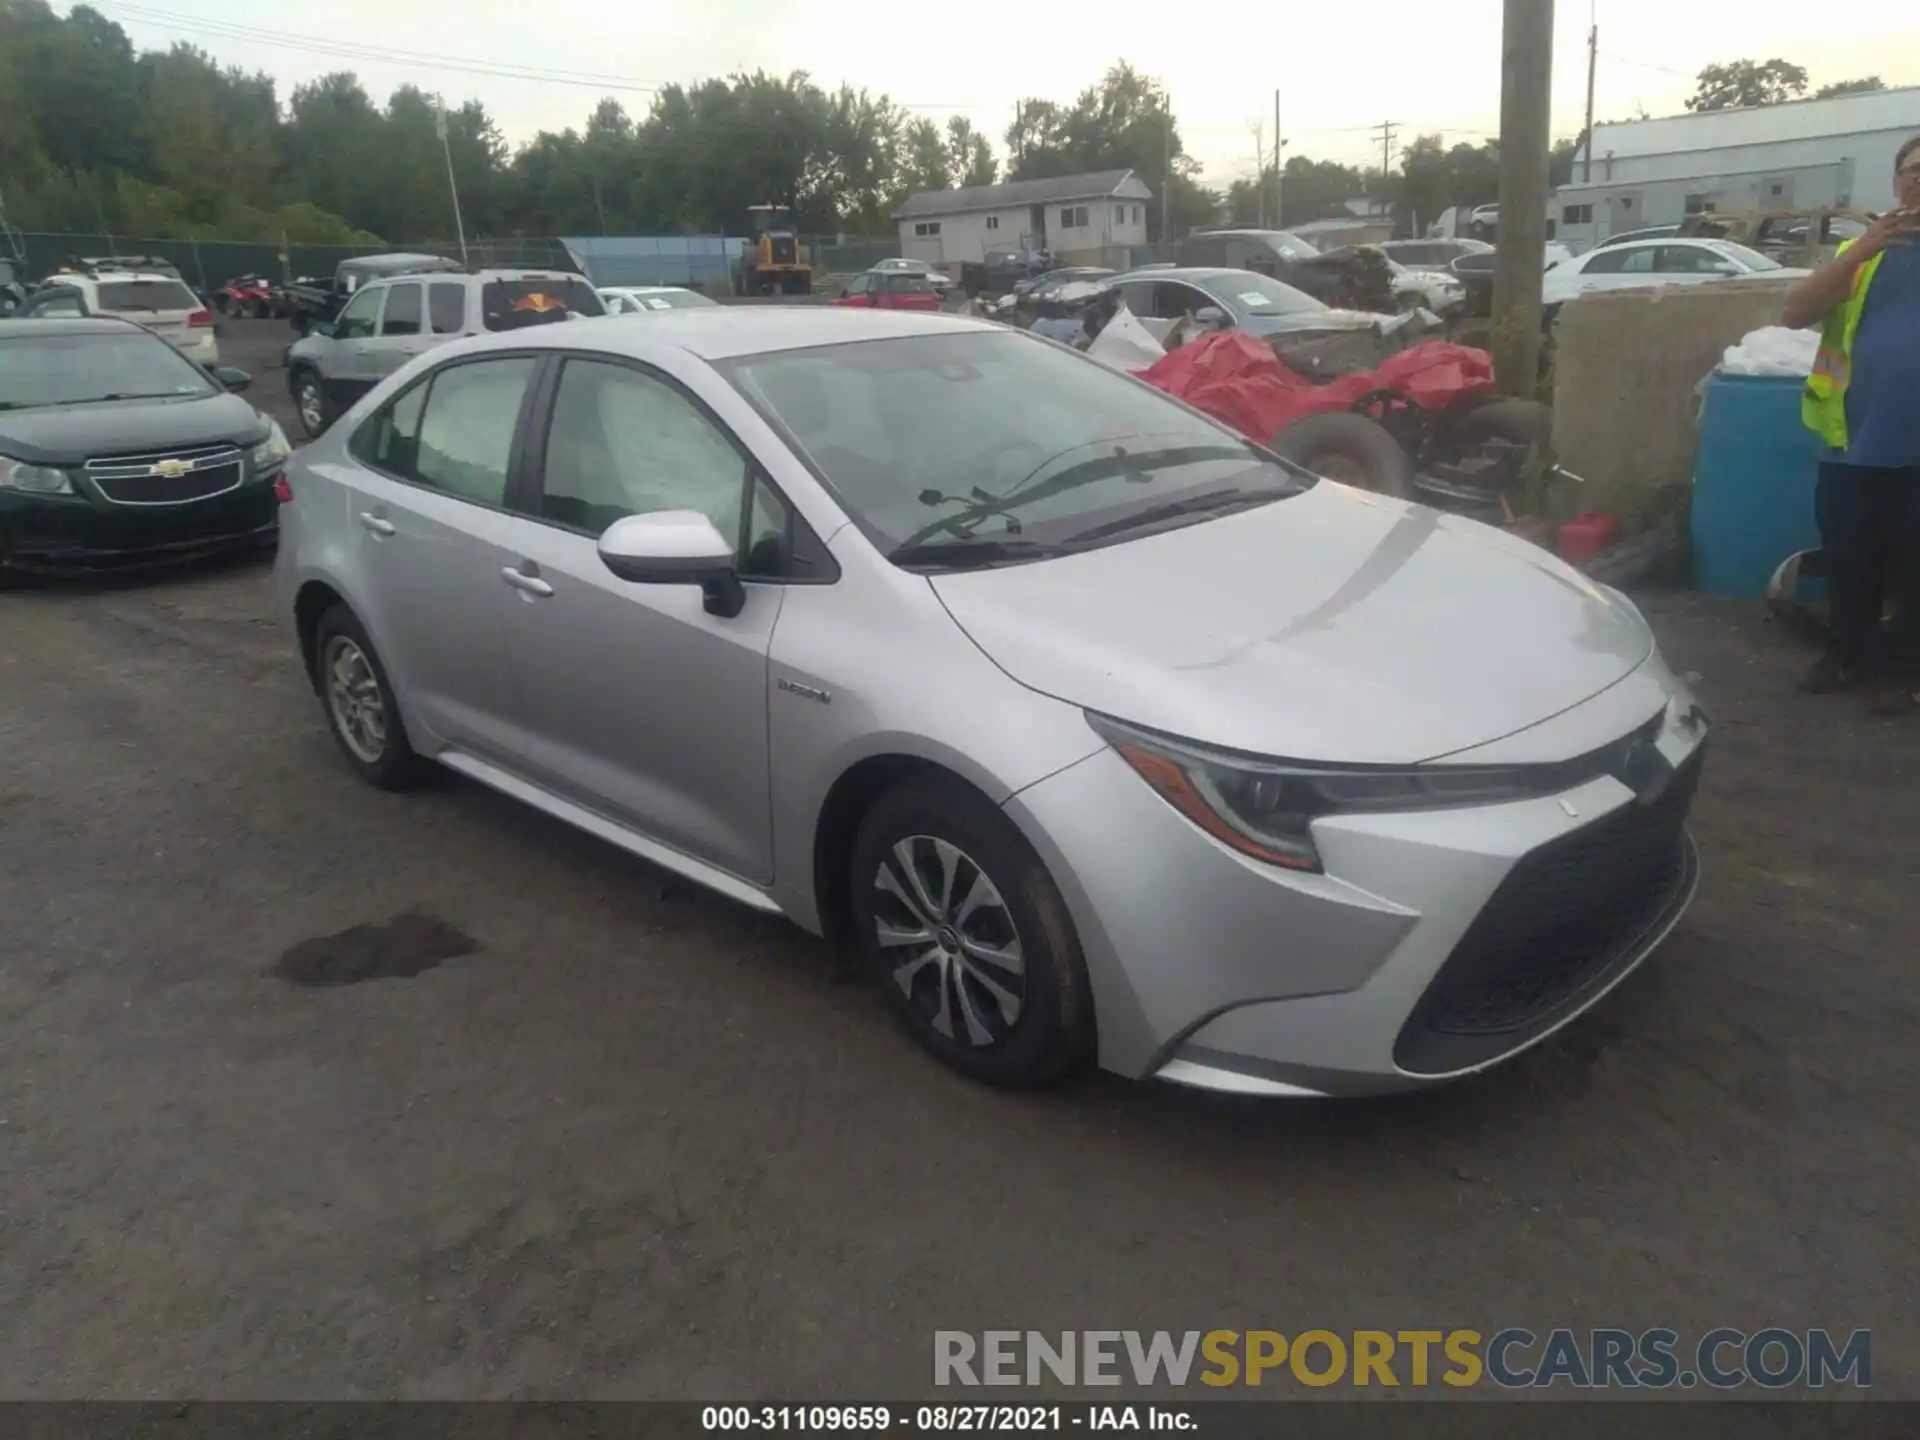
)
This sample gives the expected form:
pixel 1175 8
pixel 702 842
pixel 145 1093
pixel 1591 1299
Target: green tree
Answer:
pixel 1742 84
pixel 969 154
pixel 1865 85
pixel 923 163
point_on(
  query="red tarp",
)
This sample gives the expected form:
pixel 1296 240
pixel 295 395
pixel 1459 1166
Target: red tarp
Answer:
pixel 1238 379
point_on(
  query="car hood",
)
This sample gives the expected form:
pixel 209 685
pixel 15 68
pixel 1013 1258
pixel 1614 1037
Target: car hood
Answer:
pixel 1332 626
pixel 71 434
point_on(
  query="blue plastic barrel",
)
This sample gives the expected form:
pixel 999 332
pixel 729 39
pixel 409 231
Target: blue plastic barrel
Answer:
pixel 1753 484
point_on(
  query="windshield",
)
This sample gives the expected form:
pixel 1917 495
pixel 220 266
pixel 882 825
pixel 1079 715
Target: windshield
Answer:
pixel 1751 259
pixel 119 295
pixel 1259 295
pixel 976 438
pixel 72 369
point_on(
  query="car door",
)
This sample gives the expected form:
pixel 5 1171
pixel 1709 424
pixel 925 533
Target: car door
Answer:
pixel 856 291
pixel 346 364
pixel 398 338
pixel 433 535
pixel 638 703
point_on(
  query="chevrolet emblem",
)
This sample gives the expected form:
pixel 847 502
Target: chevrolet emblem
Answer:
pixel 172 469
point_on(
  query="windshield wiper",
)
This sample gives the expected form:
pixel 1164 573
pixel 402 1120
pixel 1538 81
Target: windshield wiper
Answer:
pixel 972 554
pixel 1214 502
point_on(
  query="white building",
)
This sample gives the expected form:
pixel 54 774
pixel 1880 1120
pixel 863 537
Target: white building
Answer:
pixel 1774 157
pixel 1103 215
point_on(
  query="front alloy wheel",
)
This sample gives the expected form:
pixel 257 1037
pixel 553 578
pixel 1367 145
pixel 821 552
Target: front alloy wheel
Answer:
pixel 968 936
pixel 311 401
pixel 948 940
pixel 354 700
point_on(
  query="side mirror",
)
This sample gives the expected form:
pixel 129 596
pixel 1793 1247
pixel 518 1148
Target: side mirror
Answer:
pixel 1212 316
pixel 845 293
pixel 230 376
pixel 324 328
pixel 675 547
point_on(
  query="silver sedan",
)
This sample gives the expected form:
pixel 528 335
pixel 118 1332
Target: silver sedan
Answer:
pixel 1099 733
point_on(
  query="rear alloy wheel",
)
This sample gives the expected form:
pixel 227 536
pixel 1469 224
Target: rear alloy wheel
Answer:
pixel 310 400
pixel 968 936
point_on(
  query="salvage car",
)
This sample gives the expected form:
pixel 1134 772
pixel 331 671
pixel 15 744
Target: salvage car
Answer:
pixel 649 299
pixel 390 321
pixel 888 290
pixel 309 301
pixel 1097 731
pixel 1241 299
pixel 1637 264
pixel 161 303
pixel 926 270
pixel 116 452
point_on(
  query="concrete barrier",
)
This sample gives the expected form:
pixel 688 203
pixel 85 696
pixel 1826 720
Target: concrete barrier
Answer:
pixel 1625 368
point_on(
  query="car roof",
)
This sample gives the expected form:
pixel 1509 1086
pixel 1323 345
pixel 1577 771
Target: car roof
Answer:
pixel 725 332
pixel 33 326
pixel 396 260
pixel 483 276
pixel 1197 274
pixel 111 277
pixel 644 290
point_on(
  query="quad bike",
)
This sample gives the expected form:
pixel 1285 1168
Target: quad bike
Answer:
pixel 1485 457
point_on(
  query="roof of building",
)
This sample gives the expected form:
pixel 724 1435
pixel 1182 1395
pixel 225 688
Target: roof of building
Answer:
pixel 1761 125
pixel 1097 186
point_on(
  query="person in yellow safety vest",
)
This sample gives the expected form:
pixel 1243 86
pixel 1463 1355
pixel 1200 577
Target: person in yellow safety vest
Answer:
pixel 1863 400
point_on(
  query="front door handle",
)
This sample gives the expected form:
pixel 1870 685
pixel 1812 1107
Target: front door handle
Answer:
pixel 525 583
pixel 375 524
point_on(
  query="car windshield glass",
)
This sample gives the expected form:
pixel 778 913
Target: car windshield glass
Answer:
pixel 978 437
pixel 72 369
pixel 1751 259
pixel 116 295
pixel 1262 296
pixel 516 304
pixel 1293 247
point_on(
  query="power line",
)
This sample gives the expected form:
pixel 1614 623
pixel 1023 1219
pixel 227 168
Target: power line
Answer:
pixel 1648 65
pixel 394 55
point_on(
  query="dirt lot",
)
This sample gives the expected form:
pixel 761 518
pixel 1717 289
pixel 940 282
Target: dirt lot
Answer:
pixel 624 1139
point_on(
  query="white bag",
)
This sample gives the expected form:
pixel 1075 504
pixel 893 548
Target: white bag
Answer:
pixel 1773 350
pixel 1125 344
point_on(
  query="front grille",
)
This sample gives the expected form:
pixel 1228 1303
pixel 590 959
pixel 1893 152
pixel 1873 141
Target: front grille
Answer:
pixel 1564 921
pixel 173 477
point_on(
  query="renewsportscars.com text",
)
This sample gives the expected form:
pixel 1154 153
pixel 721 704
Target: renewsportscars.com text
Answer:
pixel 1514 1358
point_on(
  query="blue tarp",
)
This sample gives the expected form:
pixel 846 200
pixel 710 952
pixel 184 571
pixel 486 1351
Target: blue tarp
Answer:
pixel 655 259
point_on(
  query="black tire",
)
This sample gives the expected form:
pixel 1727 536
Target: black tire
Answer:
pixel 1051 1033
pixel 220 301
pixel 1526 423
pixel 1349 448
pixel 256 309
pixel 395 766
pixel 310 398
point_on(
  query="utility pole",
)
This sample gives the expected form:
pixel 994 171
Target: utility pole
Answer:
pixel 1259 180
pixel 1593 62
pixel 1279 161
pixel 1166 191
pixel 1387 127
pixel 1526 93
pixel 440 125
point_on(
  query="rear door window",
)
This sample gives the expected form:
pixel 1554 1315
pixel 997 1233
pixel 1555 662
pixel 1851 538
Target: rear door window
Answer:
pixel 447 307
pixel 139 296
pixel 516 304
pixel 402 315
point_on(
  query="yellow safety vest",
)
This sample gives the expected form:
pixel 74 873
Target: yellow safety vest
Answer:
pixel 1824 405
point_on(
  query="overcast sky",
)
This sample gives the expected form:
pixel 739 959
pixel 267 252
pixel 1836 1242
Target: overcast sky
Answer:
pixel 1341 66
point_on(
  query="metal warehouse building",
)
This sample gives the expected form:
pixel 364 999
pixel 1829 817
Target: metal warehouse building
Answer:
pixel 1803 153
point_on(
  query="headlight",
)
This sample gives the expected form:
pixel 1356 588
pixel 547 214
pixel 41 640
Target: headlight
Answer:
pixel 273 450
pixel 1266 808
pixel 33 479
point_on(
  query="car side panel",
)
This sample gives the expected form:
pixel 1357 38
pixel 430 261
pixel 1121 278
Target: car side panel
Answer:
pixel 873 665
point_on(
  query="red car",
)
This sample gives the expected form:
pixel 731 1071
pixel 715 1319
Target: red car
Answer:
pixel 890 291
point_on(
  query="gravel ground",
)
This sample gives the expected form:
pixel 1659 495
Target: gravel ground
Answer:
pixel 309 1091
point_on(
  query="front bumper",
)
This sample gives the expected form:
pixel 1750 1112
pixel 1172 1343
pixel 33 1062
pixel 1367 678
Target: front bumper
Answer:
pixel 1437 943
pixel 78 535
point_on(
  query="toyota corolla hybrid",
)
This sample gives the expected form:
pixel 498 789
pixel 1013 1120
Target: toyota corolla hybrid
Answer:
pixel 1101 733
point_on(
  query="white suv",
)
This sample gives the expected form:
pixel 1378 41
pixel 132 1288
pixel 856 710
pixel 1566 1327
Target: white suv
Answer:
pixel 390 320
pixel 160 303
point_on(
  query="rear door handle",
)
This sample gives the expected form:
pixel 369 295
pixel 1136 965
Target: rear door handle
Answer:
pixel 375 525
pixel 525 583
